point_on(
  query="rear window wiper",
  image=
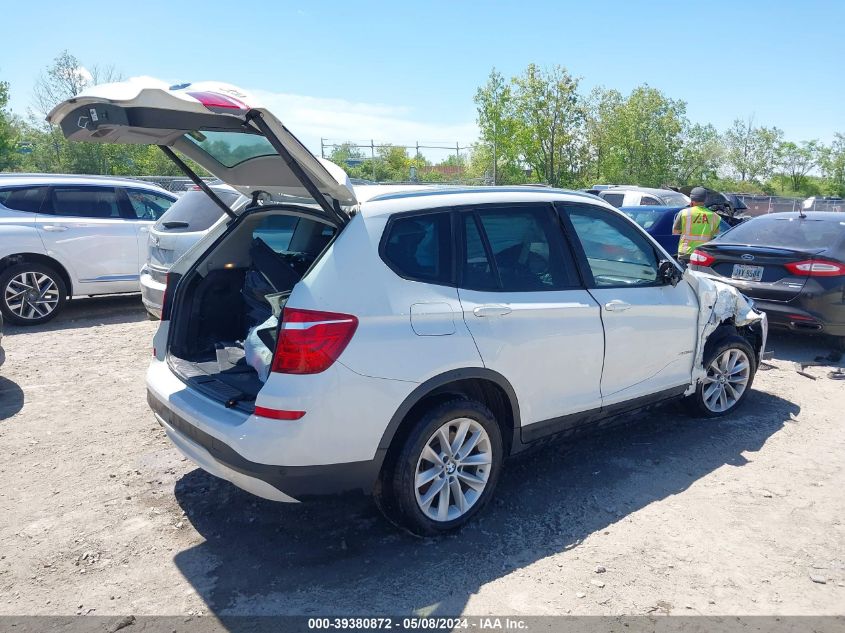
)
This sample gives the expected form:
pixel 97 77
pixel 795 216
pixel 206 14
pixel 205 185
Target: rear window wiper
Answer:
pixel 175 225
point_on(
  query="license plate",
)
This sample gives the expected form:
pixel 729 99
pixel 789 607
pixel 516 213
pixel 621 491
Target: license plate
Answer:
pixel 747 273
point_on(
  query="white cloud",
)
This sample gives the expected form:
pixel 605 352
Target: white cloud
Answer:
pixel 313 118
pixel 84 74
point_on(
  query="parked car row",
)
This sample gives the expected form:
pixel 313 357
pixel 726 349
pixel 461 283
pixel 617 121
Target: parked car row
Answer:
pixel 403 342
pixel 62 236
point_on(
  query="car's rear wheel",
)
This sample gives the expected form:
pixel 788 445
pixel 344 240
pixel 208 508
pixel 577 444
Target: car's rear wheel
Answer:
pixel 730 368
pixel 31 293
pixel 446 469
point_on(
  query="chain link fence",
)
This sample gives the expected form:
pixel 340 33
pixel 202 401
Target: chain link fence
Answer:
pixel 174 184
pixel 760 205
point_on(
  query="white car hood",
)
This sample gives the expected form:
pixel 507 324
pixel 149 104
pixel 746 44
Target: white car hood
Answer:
pixel 148 112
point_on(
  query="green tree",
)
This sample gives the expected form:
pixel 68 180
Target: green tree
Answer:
pixel 797 160
pixel 641 137
pixel 752 152
pixel 497 126
pixel 8 131
pixel 550 131
pixel 700 155
pixel 832 165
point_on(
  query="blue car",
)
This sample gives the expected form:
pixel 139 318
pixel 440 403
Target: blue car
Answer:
pixel 657 221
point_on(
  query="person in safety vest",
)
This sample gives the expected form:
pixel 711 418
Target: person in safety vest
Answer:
pixel 696 225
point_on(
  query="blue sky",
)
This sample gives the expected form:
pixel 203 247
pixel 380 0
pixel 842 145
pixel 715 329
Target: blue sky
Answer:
pixel 406 71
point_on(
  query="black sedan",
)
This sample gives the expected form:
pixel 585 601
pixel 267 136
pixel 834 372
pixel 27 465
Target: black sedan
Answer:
pixel 791 264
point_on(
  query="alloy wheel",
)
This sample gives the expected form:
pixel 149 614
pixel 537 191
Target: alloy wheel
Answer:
pixel 726 380
pixel 453 469
pixel 31 295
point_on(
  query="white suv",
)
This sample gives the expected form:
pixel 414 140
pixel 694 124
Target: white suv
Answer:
pixel 406 344
pixel 182 226
pixel 62 236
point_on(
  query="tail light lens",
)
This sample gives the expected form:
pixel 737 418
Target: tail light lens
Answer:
pixel 700 258
pixel 217 102
pixel 311 340
pixel 815 268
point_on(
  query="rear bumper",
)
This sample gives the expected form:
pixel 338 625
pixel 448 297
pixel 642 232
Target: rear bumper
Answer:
pixel 277 483
pixel 793 316
pixel 152 293
pixel 334 449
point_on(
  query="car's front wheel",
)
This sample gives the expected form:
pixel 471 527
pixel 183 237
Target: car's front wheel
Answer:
pixel 730 367
pixel 31 293
pixel 446 469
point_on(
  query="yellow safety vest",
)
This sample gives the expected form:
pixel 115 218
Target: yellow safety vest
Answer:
pixel 698 225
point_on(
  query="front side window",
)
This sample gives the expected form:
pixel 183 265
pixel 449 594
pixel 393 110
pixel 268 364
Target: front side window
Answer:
pixel 617 253
pixel 85 202
pixel 27 199
pixel 420 247
pixel 147 205
pixel 516 250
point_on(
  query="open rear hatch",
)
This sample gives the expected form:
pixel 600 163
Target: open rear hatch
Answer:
pixel 218 126
pixel 226 310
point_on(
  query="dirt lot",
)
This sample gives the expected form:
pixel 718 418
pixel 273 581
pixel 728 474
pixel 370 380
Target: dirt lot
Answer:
pixel 100 515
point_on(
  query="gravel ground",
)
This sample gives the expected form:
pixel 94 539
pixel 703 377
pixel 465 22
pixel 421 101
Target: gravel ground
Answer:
pixel 100 515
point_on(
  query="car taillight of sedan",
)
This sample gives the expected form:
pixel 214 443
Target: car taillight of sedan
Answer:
pixel 815 268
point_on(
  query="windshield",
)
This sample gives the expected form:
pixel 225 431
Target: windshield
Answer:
pixel 674 199
pixel 231 148
pixel 790 232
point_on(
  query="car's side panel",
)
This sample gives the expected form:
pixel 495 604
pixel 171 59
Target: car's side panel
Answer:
pixel 386 344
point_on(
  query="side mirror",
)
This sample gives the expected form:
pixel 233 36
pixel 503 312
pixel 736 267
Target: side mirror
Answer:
pixel 669 273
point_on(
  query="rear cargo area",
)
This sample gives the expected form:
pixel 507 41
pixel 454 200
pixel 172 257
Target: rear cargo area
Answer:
pixel 227 310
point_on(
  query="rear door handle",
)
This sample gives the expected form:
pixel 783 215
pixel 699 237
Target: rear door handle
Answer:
pixel 491 310
pixel 616 306
pixel 55 228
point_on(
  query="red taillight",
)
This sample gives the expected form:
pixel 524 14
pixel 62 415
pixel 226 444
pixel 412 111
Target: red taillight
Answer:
pixel 310 340
pixel 815 268
pixel 700 258
pixel 215 101
pixel 278 414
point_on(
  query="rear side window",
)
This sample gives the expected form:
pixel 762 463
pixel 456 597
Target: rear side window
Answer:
pixel 85 202
pixel 195 211
pixel 649 201
pixel 23 198
pixel 147 205
pixel 516 250
pixel 616 199
pixel 420 247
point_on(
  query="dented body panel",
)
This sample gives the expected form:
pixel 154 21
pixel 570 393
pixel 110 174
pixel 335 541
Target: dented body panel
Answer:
pixel 721 304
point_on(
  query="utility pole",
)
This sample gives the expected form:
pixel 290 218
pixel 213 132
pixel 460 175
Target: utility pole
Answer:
pixel 495 134
pixel 322 146
pixel 373 157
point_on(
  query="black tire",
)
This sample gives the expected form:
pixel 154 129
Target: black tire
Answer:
pixel 11 273
pixel 396 492
pixel 697 402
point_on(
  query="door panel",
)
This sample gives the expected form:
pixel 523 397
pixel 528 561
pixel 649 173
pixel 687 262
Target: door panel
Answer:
pixel 83 225
pixel 650 327
pixel 522 302
pixel 650 335
pixel 549 346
